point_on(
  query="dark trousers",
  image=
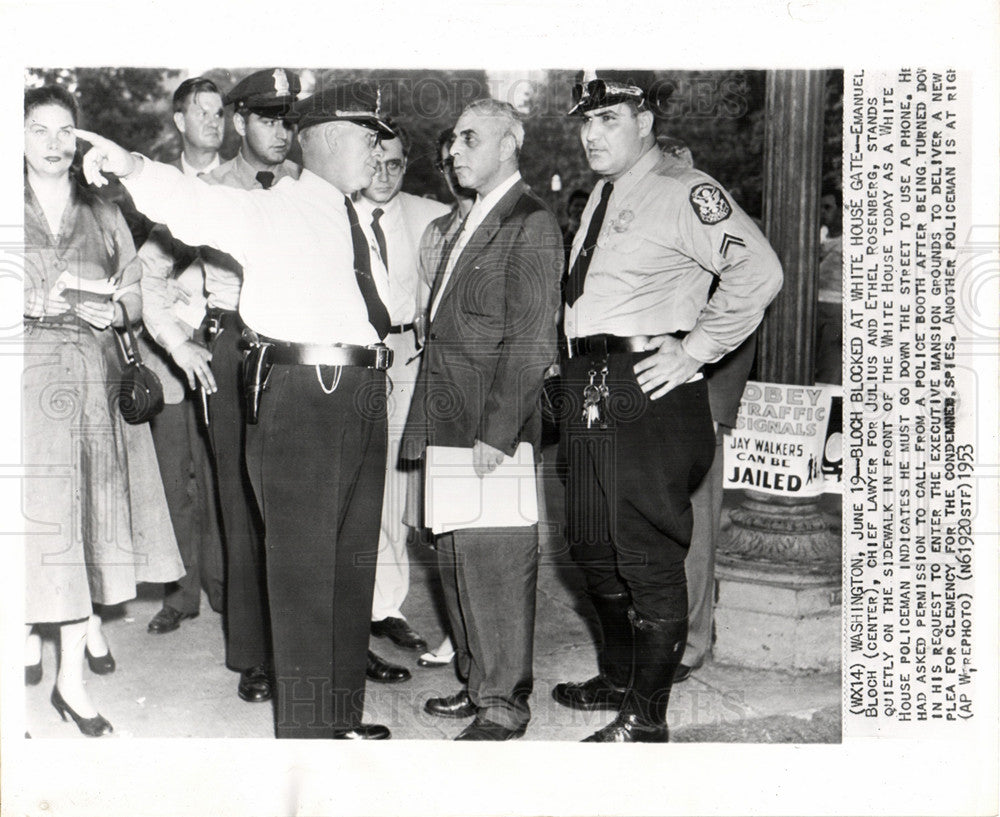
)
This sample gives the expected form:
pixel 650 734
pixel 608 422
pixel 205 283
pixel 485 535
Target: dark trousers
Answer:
pixel 706 505
pixel 829 342
pixel 186 472
pixel 629 486
pixel 489 577
pixel 317 464
pixel 247 628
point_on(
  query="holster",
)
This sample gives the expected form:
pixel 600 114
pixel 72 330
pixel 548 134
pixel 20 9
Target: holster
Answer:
pixel 256 366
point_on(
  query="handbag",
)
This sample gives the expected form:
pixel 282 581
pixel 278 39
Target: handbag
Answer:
pixel 140 393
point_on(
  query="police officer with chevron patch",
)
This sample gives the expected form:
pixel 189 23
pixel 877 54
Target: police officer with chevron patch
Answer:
pixel 667 274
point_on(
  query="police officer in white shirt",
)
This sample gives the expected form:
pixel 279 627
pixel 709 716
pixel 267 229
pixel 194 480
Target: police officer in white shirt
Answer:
pixel 314 294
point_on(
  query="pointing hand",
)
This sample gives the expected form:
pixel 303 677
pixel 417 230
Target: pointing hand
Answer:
pixel 104 157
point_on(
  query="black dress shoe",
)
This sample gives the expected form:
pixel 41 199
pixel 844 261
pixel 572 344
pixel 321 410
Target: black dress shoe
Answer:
pixel 481 729
pixel 684 671
pixel 630 728
pixel 33 673
pixel 382 671
pixel 399 633
pixel 432 661
pixel 92 727
pixel 100 664
pixel 367 731
pixel 167 620
pixel 595 693
pixel 255 685
pixel 458 705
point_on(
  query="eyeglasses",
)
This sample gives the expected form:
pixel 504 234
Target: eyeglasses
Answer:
pixel 598 91
pixel 444 164
pixel 393 166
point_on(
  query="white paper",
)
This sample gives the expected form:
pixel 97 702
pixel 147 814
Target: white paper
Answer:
pixel 191 307
pixel 69 280
pixel 456 497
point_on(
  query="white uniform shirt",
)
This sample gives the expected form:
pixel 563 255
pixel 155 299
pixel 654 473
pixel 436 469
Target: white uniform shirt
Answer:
pixel 188 312
pixel 404 219
pixel 293 242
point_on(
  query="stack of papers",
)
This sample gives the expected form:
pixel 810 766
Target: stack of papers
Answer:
pixel 456 497
pixel 75 289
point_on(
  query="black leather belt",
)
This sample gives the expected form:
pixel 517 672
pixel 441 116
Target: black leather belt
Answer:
pixel 65 320
pixel 400 328
pixel 601 345
pixel 377 356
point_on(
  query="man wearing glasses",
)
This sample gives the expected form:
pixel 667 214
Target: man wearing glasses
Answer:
pixel 490 338
pixel 397 220
pixel 666 275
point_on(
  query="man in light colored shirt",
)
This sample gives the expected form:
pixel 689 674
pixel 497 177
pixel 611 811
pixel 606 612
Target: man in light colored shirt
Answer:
pixel 490 339
pixel 313 294
pixel 173 307
pixel 262 105
pixel 666 275
pixel 398 220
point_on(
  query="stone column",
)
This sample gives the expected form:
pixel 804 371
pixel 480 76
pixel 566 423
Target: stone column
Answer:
pixel 779 564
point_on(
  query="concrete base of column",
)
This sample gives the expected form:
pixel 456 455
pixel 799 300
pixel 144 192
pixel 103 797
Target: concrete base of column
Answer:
pixel 779 587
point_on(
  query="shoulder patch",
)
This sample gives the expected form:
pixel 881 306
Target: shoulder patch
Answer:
pixel 709 203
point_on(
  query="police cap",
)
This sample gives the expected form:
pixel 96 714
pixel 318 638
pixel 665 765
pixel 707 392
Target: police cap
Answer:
pixel 270 92
pixel 351 101
pixel 604 88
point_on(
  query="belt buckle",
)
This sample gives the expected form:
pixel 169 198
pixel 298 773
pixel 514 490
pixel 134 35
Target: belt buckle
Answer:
pixel 214 325
pixel 383 356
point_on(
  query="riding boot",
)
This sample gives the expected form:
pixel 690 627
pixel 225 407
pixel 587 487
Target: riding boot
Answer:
pixel 659 648
pixel 606 690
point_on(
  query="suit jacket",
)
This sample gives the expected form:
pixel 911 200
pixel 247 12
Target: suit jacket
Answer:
pixel 727 378
pixel 493 334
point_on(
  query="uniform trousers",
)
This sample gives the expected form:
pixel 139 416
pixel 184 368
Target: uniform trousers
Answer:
pixel 489 576
pixel 317 464
pixel 706 506
pixel 247 629
pixel 186 470
pixel 629 487
pixel 392 572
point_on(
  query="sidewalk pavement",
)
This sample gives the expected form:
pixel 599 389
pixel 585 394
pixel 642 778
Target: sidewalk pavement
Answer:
pixel 176 685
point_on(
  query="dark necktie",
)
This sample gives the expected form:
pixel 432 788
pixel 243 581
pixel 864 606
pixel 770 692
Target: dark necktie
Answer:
pixel 266 178
pixel 577 275
pixel 378 315
pixel 380 236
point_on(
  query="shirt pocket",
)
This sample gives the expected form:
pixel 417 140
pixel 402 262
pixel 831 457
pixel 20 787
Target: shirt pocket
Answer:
pixel 624 234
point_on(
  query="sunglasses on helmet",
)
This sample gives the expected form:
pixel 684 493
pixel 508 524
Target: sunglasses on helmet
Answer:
pixel 598 91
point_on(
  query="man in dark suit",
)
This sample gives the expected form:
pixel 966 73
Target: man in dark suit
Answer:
pixel 491 338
